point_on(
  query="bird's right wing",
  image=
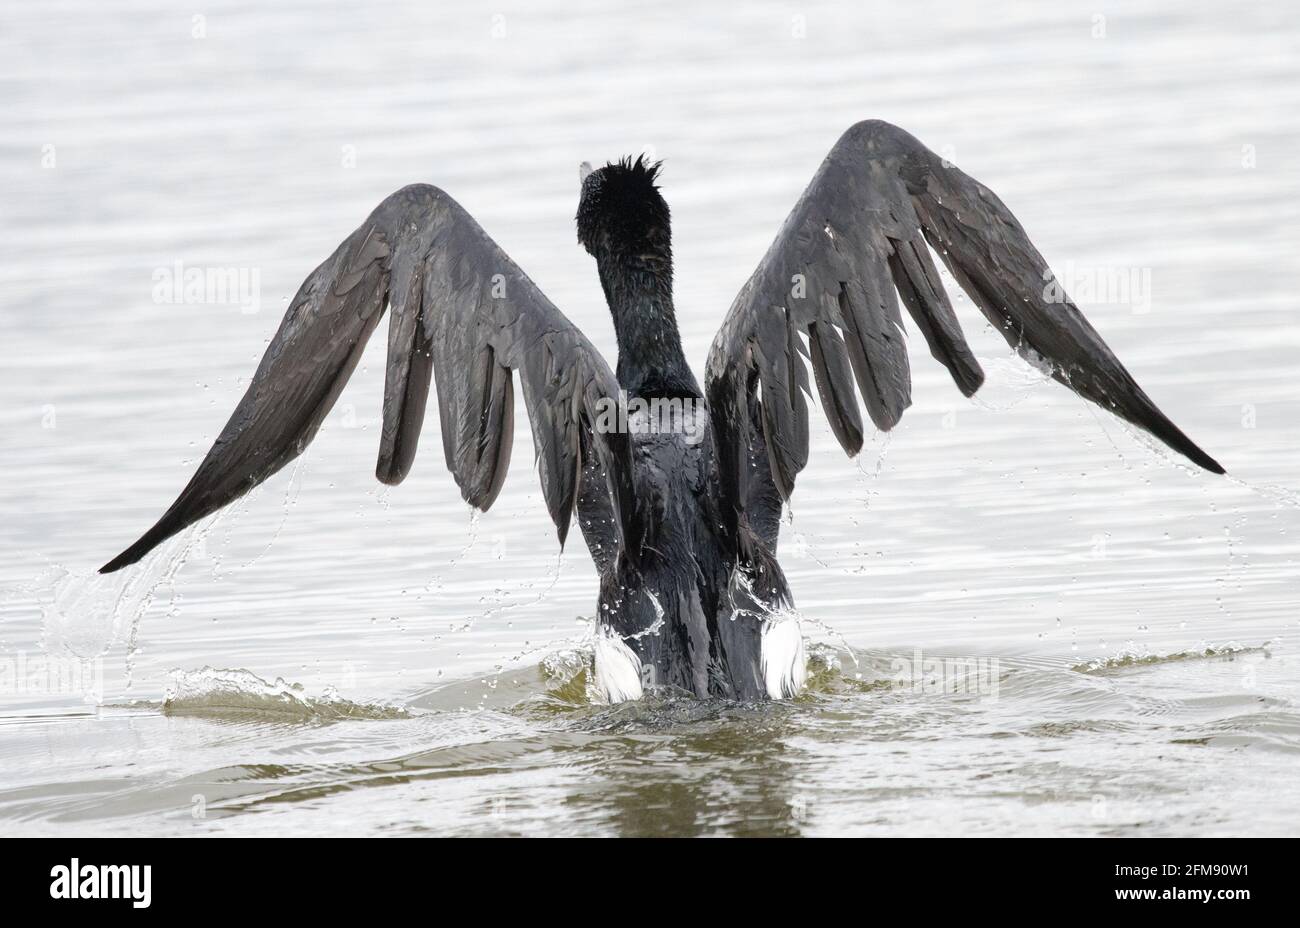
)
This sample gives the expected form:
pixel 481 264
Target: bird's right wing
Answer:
pixel 463 315
pixel 857 235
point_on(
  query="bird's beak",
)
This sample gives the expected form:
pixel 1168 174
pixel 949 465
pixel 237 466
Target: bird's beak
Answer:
pixel 583 170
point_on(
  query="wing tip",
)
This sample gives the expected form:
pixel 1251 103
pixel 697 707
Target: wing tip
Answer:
pixel 170 524
pixel 970 379
pixel 562 531
pixel 1203 460
pixel 128 557
pixel 390 472
pixel 1163 428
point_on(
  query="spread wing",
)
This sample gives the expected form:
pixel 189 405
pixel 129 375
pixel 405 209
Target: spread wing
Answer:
pixel 855 244
pixel 464 316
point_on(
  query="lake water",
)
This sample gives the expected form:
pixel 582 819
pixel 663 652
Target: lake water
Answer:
pixel 335 657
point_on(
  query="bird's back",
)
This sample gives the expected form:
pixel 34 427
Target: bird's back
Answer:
pixel 674 608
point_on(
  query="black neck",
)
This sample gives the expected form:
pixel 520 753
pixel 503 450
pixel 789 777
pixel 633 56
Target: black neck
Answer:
pixel 639 290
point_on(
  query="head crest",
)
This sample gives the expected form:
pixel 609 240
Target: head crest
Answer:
pixel 621 208
pixel 642 170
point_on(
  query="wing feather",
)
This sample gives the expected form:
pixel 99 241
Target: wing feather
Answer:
pixel 464 317
pixel 852 246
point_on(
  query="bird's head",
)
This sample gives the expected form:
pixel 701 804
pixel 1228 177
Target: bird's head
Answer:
pixel 621 213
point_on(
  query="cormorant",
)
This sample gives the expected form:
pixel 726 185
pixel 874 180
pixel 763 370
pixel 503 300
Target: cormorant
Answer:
pixel 680 519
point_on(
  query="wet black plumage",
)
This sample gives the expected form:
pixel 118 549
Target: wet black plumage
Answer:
pixel 684 534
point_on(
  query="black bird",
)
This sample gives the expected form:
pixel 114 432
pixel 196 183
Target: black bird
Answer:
pixel 681 521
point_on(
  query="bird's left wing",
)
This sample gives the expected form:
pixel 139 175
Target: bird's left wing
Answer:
pixel 855 242
pixel 463 315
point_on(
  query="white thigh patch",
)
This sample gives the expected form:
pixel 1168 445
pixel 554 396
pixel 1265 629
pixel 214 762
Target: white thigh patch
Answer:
pixel 785 666
pixel 618 669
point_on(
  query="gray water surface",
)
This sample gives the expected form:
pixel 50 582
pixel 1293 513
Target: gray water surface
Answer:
pixel 331 656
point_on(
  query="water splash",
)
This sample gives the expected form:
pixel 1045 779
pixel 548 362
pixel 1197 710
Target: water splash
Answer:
pixel 290 500
pixel 1011 379
pixel 1141 437
pixel 1277 494
pixel 436 581
pixel 86 615
pixel 1132 658
pixel 209 691
pixel 502 608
